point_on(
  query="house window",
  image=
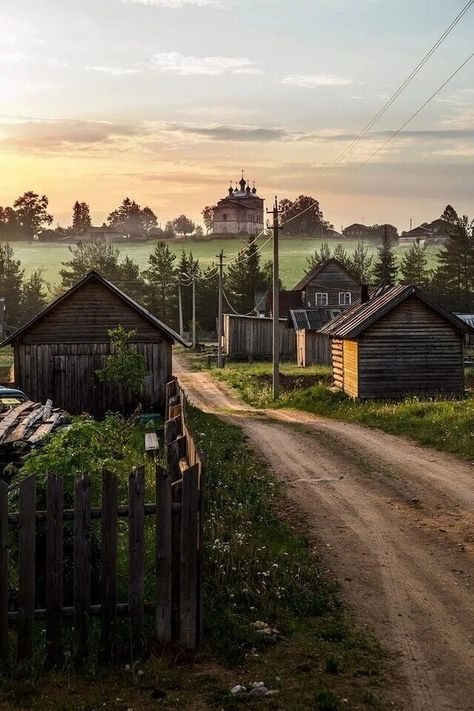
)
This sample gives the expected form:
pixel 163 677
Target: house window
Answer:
pixel 345 298
pixel 321 299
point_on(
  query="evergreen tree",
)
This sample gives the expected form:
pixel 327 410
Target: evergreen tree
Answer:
pixel 207 299
pixel 245 278
pixel 190 266
pixel 97 256
pixel 414 267
pixel 361 264
pixel 33 296
pixel 161 278
pixel 318 257
pixel 341 255
pixel 454 278
pixel 130 280
pixel 267 275
pixel 11 283
pixel 385 268
pixel 81 217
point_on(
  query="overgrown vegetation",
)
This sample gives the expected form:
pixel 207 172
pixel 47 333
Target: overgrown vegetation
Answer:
pixel 444 424
pixel 125 366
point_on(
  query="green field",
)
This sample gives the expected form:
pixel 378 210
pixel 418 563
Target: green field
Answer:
pixel 293 251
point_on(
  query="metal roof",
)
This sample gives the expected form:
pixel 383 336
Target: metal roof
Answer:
pixel 467 318
pixel 95 276
pixel 311 319
pixel 354 321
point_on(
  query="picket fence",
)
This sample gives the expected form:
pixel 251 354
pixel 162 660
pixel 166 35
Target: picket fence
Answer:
pixel 177 513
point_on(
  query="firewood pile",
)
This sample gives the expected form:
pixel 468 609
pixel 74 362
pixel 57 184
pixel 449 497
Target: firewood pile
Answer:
pixel 29 423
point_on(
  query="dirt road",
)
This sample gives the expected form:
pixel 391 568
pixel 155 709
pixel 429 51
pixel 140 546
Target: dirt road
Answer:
pixel 395 525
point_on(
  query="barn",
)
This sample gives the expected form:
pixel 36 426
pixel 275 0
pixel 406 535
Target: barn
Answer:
pixel 312 348
pixel 57 353
pixel 398 342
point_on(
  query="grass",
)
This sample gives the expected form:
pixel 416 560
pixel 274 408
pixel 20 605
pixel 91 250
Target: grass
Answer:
pixel 441 423
pixel 293 253
pixel 257 568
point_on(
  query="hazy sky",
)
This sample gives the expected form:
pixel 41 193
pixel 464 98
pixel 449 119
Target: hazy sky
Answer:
pixel 166 100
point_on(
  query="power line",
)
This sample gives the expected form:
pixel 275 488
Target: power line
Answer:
pixel 403 86
pixel 398 131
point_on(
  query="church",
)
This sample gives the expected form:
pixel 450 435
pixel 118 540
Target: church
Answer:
pixel 240 213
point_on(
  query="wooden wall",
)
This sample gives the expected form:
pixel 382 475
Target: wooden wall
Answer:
pixel 332 280
pixel 351 368
pixel 251 336
pixel 411 350
pixel 312 348
pixel 337 356
pixel 65 372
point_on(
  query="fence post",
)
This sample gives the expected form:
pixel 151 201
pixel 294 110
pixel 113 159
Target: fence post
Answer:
pixel 136 557
pixel 26 572
pixel 54 568
pixel 188 585
pixel 201 514
pixel 82 571
pixel 108 608
pixel 3 572
pixel 163 555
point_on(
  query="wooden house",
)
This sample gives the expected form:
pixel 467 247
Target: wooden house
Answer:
pixel 329 285
pixel 312 348
pixel 57 353
pixel 252 337
pixel 398 342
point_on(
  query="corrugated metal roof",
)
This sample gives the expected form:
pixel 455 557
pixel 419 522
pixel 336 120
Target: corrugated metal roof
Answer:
pixel 467 318
pixel 354 321
pixel 311 319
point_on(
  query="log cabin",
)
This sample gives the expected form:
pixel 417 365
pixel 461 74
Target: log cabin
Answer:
pixel 397 342
pixel 329 285
pixel 58 353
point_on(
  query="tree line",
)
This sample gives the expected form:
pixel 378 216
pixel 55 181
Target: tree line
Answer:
pixel 451 281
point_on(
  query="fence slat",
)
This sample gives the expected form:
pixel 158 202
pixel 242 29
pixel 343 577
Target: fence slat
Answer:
pixel 201 514
pixel 163 555
pixel 188 587
pixel 3 572
pixel 26 567
pixel 109 565
pixel 82 572
pixel 136 557
pixel 54 568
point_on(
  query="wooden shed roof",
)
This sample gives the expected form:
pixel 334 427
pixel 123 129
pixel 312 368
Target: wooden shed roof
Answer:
pixel 354 321
pixel 95 276
pixel 317 270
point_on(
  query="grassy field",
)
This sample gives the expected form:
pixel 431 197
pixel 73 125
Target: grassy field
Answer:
pixel 444 424
pixel 315 659
pixel 294 251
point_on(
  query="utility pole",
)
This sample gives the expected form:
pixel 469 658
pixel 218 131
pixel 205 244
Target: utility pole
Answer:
pixel 180 307
pixel 219 311
pixel 276 302
pixel 194 311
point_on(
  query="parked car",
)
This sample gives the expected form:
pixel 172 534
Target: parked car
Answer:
pixel 10 398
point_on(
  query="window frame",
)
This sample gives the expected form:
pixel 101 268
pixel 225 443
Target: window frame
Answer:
pixel 322 302
pixel 345 298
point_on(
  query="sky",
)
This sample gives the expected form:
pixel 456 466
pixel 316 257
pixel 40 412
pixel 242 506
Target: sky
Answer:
pixel 165 101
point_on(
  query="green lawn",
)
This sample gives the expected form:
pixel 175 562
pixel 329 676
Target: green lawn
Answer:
pixel 445 424
pixel 294 251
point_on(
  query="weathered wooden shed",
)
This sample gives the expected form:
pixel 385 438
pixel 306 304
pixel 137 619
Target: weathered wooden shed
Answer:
pixel 312 348
pixel 398 342
pixel 57 353
pixel 251 337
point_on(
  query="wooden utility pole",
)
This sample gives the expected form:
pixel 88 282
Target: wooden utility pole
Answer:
pixel 194 311
pixel 276 303
pixel 180 307
pixel 219 312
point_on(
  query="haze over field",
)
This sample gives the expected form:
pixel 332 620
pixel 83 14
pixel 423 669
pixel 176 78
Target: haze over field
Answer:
pixel 166 100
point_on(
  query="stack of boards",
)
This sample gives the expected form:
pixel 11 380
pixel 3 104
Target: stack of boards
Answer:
pixel 29 423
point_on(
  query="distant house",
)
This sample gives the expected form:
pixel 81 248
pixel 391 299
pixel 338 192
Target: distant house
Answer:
pixel 57 354
pixel 358 231
pixel 287 300
pixel 103 234
pixel 240 212
pixel 398 342
pixel 435 232
pixel 329 285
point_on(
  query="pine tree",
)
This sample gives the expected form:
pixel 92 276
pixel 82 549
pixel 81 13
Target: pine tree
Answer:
pixel 161 278
pixel 414 267
pixel 33 296
pixel 341 255
pixel 455 274
pixel 11 283
pixel 189 266
pixel 385 269
pixel 103 258
pixel 131 281
pixel 361 264
pixel 81 217
pixel 318 257
pixel 245 278
pixel 207 299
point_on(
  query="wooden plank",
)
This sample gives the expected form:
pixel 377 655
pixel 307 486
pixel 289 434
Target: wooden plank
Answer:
pixel 163 555
pixel 200 573
pixel 109 565
pixel 152 444
pixel 54 568
pixel 136 557
pixel 24 424
pixel 11 418
pixel 82 572
pixel 3 572
pixel 26 568
pixel 172 429
pixel 46 428
pixel 188 586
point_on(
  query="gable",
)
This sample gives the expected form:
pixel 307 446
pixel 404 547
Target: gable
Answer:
pixel 410 320
pixel 86 314
pixel 328 276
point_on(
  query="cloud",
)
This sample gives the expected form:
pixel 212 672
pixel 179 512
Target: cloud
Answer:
pixel 114 71
pixel 183 65
pixel 223 132
pixel 311 81
pixel 175 4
